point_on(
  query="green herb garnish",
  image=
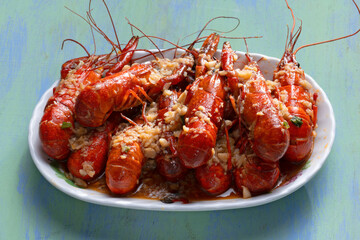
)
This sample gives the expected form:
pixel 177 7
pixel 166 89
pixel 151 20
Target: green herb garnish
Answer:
pixel 286 125
pixel 125 148
pixel 297 121
pixel 66 125
pixel 307 165
pixel 60 173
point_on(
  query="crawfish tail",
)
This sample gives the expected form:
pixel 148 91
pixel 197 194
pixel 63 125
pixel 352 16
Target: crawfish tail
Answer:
pixel 213 179
pixel 123 167
pixel 205 111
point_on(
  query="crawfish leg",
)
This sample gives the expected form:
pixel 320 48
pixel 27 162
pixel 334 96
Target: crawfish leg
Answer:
pixel 228 58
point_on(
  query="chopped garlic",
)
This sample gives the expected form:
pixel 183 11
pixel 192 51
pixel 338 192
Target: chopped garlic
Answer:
pixel 210 65
pixel 149 153
pixel 163 142
pixel 246 192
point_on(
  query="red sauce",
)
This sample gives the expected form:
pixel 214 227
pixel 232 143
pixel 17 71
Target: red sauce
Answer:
pixel 289 172
pixel 154 186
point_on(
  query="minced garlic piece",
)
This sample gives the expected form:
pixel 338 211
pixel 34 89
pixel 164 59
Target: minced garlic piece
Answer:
pixel 182 97
pixel 246 192
pixel 243 74
pixel 201 108
pixel 306 103
pixel 223 73
pixel 223 156
pixel 210 65
pixel 87 169
pixel 149 153
pixel 163 142
pixel 228 123
pixel 305 84
pixel 167 93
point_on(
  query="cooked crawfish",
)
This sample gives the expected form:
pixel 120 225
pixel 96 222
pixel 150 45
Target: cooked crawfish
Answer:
pixel 215 176
pixel 268 132
pixel 256 176
pixel 205 102
pixel 57 123
pixel 301 108
pixel 294 92
pixel 170 110
pixel 89 156
pixel 121 91
pixel 123 167
pixel 252 175
pixel 130 147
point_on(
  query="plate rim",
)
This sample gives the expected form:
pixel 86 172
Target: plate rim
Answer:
pixel 149 204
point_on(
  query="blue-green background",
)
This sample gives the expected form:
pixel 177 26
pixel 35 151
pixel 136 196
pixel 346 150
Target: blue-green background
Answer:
pixel 31 33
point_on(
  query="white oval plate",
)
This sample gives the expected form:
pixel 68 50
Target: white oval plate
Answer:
pixel 323 143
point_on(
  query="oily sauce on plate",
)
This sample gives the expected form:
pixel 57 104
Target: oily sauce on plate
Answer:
pixel 154 186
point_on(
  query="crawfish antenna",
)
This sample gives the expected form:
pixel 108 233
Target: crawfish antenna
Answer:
pixel 217 31
pixel 113 25
pixel 293 16
pixel 174 44
pixel 247 55
pixel 93 36
pixel 293 36
pixel 287 36
pixel 72 40
pixel 132 25
pixel 87 21
pixel 176 48
pixel 296 36
pixel 204 28
pixel 331 40
pixel 247 47
pixel 92 21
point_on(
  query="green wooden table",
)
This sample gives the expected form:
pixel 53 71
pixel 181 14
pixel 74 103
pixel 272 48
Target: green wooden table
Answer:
pixel 31 33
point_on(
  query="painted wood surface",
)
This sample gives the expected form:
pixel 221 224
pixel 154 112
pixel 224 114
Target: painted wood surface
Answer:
pixel 31 32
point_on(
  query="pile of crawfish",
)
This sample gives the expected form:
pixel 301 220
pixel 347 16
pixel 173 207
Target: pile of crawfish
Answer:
pixel 195 114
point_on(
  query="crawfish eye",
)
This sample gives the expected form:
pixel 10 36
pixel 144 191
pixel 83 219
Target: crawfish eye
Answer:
pixel 298 64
